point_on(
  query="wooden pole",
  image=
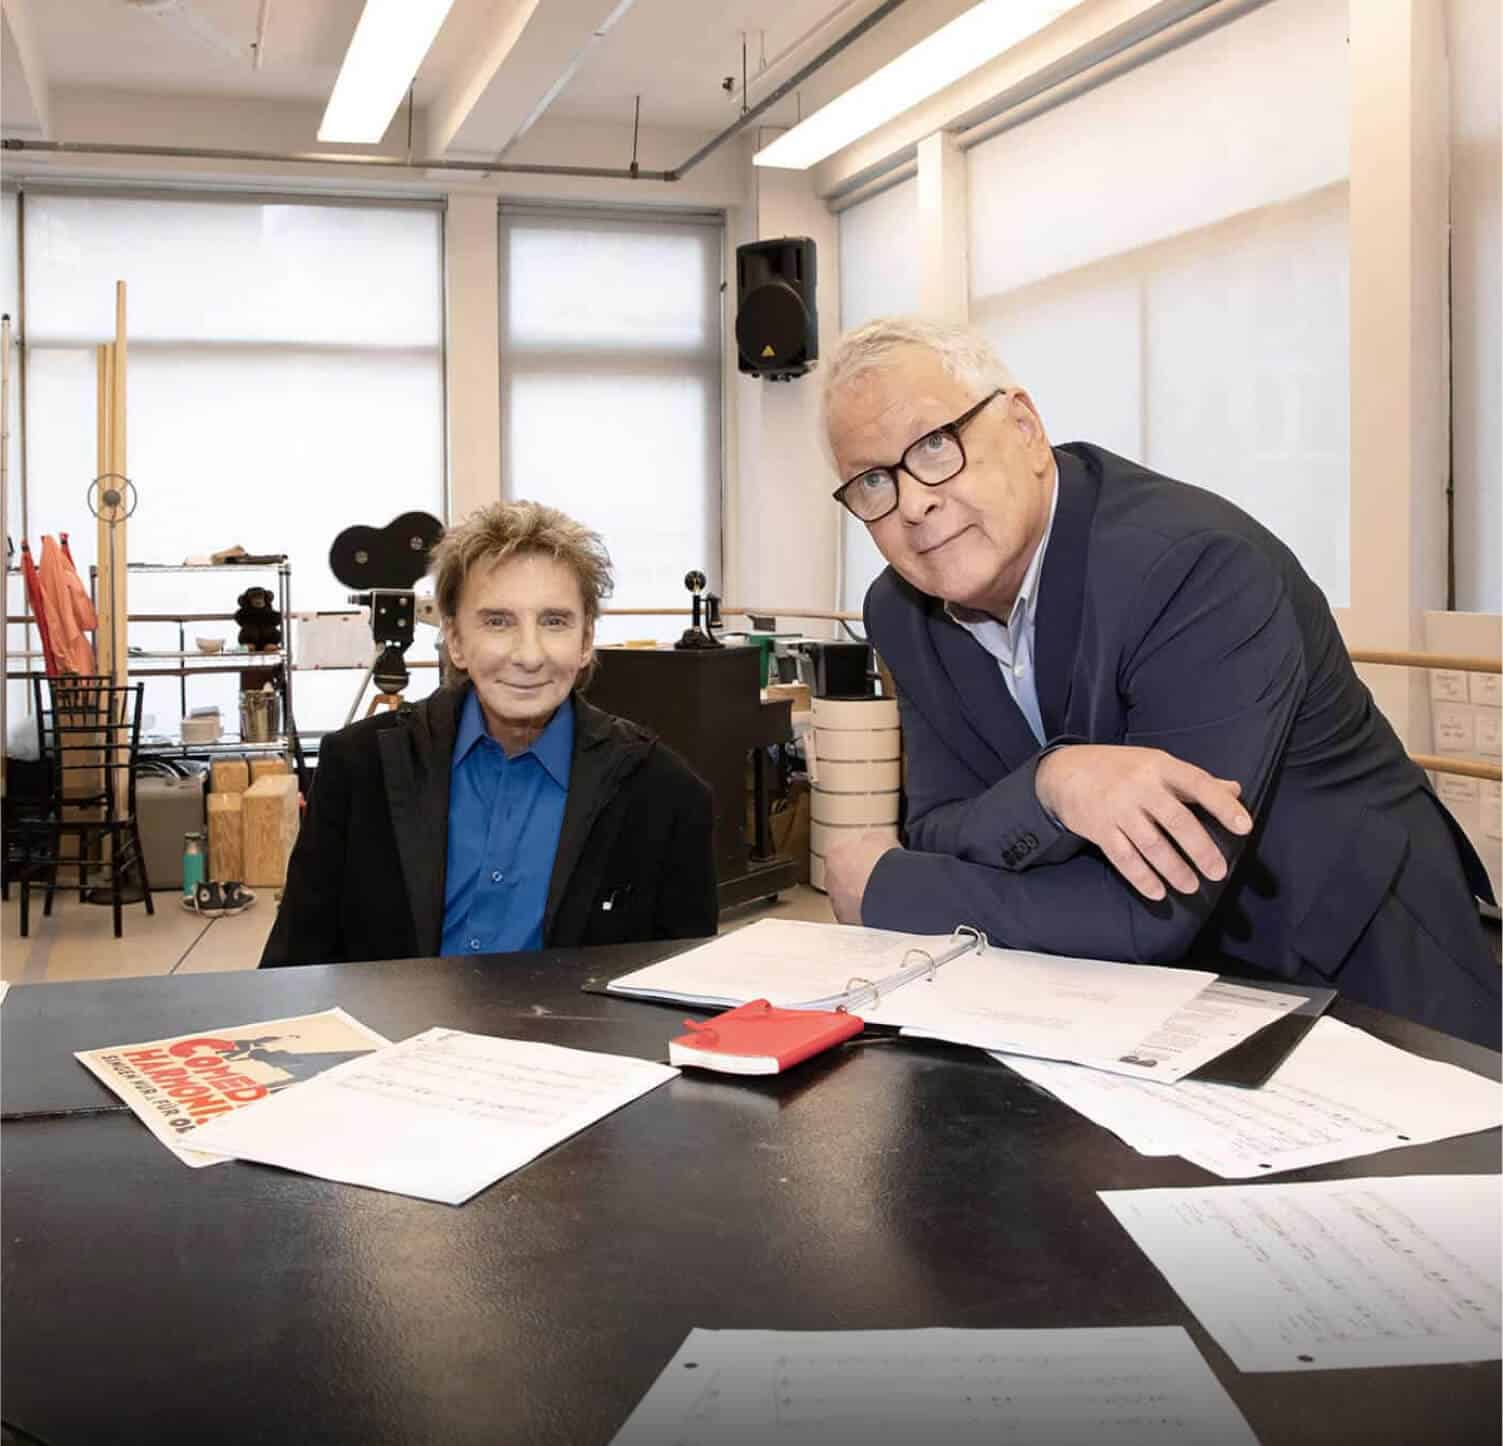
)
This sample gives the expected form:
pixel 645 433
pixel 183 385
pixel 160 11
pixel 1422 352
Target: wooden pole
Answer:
pixel 104 597
pixel 5 528
pixel 119 648
pixel 119 651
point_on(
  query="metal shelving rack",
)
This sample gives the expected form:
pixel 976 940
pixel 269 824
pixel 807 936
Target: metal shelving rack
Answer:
pixel 192 662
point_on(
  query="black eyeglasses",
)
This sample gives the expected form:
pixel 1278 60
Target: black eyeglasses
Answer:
pixel 936 457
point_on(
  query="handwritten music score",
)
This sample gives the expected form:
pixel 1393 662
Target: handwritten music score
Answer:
pixel 1332 1273
pixel 1111 1387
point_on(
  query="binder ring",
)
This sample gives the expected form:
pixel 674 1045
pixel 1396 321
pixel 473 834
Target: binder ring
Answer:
pixel 926 956
pixel 966 931
pixel 850 989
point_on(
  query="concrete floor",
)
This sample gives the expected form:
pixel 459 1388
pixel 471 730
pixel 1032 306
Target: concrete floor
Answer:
pixel 77 942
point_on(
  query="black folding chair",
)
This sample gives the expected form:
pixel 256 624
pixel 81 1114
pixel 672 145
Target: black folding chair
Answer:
pixel 90 732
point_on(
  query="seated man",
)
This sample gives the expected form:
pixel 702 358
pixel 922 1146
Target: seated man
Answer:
pixel 503 812
pixel 1132 729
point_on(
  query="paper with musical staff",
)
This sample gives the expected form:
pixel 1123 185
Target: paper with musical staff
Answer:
pixel 439 1116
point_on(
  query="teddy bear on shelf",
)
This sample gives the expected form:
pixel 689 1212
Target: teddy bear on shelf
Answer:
pixel 260 621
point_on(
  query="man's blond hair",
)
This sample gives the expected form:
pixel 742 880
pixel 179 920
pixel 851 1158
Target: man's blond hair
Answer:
pixel 518 529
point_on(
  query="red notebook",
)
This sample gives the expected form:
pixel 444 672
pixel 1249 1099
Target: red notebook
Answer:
pixel 755 1038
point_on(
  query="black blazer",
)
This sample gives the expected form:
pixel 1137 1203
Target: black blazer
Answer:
pixel 1169 619
pixel 635 855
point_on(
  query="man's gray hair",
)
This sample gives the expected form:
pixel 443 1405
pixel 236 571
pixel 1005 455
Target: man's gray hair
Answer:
pixel 965 354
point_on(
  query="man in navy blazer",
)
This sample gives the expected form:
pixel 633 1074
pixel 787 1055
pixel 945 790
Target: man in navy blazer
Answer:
pixel 1132 729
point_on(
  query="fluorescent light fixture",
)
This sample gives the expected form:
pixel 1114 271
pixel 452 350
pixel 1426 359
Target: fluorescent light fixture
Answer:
pixel 967 43
pixel 389 44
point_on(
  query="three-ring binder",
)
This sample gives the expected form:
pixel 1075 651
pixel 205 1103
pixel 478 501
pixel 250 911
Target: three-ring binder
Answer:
pixel 861 993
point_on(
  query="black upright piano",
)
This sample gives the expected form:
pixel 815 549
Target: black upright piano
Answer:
pixel 707 706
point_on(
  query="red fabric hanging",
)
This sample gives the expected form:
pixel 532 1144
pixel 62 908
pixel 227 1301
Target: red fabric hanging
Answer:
pixel 36 600
pixel 69 611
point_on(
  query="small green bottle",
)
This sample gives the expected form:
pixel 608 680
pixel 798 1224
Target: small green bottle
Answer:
pixel 193 863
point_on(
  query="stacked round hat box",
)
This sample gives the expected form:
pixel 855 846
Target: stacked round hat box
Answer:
pixel 856 774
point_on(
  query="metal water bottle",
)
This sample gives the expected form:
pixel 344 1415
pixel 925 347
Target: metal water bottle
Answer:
pixel 193 863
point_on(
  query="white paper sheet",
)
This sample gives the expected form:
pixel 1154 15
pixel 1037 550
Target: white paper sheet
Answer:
pixel 440 1116
pixel 1334 1273
pixel 1340 1093
pixel 1040 1004
pixel 1141 1387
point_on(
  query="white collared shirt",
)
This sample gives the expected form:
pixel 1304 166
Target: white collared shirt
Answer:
pixel 1011 643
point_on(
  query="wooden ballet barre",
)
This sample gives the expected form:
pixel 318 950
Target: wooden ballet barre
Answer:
pixel 1466 767
pixel 1450 662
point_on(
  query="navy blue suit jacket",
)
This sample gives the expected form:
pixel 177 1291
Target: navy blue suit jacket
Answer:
pixel 1168 618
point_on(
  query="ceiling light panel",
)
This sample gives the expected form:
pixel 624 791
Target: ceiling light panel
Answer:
pixel 952 52
pixel 389 44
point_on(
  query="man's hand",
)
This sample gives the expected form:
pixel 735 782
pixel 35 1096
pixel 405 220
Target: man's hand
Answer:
pixel 849 865
pixel 1131 802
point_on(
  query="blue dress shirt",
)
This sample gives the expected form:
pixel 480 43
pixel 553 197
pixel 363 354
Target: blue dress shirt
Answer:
pixel 504 820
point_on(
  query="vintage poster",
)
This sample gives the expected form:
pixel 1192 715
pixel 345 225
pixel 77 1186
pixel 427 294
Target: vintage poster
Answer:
pixel 175 1085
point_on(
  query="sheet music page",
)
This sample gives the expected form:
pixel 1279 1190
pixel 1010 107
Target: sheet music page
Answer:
pixel 1111 1387
pixel 1042 1004
pixel 785 961
pixel 1340 1093
pixel 439 1116
pixel 1334 1273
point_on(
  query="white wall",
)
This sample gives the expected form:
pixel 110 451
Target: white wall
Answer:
pixel 782 528
pixel 1474 44
pixel 472 352
pixel 879 276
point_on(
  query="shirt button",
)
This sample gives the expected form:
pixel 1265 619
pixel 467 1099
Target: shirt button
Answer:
pixel 497 876
pixel 1019 669
pixel 475 945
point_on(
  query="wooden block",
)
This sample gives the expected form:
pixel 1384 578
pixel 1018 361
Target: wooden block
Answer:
pixel 269 808
pixel 798 693
pixel 229 775
pixel 267 767
pixel 226 836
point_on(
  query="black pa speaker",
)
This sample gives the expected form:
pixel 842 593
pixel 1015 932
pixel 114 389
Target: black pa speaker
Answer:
pixel 777 327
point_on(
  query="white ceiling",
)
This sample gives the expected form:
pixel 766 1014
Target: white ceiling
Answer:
pixel 185 48
pixel 674 53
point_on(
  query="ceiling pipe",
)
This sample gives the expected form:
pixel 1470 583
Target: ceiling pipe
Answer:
pixel 792 83
pixel 259 44
pixel 314 158
pixel 738 95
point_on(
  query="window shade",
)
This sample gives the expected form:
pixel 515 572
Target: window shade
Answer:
pixel 610 392
pixel 1162 262
pixel 285 382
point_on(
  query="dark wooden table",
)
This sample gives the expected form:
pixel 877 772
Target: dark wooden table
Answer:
pixel 887 1185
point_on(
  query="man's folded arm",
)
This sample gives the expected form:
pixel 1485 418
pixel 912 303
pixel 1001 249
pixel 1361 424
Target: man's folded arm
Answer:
pixel 1001 826
pixel 1215 680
